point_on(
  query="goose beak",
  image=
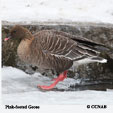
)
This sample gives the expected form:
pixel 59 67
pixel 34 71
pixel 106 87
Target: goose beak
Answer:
pixel 7 38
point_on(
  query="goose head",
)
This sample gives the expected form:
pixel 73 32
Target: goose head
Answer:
pixel 18 32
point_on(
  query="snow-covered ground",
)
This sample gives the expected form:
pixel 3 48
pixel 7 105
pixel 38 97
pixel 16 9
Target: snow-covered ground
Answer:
pixel 57 10
pixel 21 88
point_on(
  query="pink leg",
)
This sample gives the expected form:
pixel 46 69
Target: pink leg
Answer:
pixel 61 77
pixel 64 74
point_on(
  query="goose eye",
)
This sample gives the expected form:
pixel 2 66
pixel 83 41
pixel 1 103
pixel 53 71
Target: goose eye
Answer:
pixel 14 31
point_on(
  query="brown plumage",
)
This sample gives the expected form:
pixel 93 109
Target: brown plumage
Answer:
pixel 54 50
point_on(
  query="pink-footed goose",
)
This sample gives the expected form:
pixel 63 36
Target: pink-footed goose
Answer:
pixel 54 50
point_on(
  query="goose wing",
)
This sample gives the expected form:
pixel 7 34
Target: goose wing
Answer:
pixel 60 44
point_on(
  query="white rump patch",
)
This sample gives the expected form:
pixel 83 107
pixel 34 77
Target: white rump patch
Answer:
pixel 103 61
pixel 89 60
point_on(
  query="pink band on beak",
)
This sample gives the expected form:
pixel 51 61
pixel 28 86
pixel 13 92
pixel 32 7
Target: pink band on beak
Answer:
pixel 6 39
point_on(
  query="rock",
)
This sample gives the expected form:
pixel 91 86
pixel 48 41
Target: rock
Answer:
pixel 101 33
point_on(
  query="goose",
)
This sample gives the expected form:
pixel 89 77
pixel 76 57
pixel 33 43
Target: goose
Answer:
pixel 54 50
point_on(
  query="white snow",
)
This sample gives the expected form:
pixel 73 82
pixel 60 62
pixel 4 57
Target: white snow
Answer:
pixel 57 10
pixel 21 88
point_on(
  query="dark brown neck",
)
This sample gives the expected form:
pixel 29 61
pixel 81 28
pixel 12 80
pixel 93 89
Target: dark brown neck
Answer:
pixel 24 46
pixel 28 35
